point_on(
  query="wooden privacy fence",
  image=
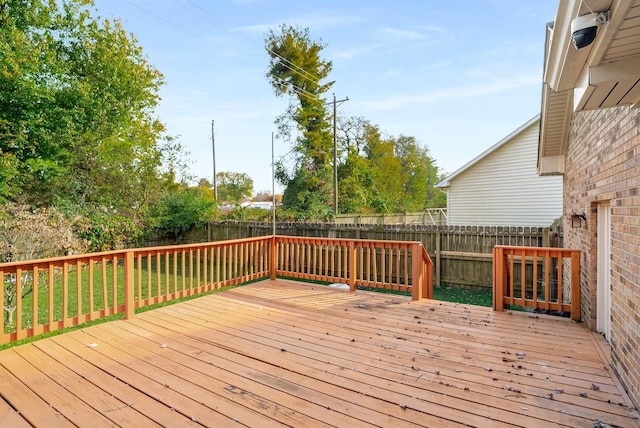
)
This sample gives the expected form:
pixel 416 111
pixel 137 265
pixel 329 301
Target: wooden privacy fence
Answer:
pixel 437 216
pixel 42 296
pixel 538 278
pixel 462 255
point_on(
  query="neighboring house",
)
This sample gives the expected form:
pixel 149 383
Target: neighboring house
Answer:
pixel 501 186
pixel 261 205
pixel 590 134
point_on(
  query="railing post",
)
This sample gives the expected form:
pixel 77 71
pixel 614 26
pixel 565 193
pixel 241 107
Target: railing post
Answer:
pixel 351 270
pixel 575 286
pixel 498 279
pixel 416 272
pixel 438 266
pixel 129 304
pixel 429 280
pixel 273 261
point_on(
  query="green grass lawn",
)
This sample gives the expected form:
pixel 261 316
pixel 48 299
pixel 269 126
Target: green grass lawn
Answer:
pixel 154 279
pixel 482 297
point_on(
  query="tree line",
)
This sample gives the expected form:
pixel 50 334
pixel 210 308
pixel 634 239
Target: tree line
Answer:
pixel 376 173
pixel 81 148
pixel 83 153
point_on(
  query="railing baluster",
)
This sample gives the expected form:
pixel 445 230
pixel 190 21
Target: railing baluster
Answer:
pixel 523 276
pixel 3 290
pixel 65 294
pixel 167 284
pixel 175 274
pixel 559 281
pixel 114 283
pixel 547 280
pixel 34 302
pixel 20 333
pixel 51 284
pixel 535 276
pixel 79 314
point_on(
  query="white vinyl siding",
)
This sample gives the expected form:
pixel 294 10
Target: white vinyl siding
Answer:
pixel 504 189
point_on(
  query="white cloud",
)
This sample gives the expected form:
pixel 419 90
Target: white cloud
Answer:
pixel 397 34
pixel 315 21
pixel 357 51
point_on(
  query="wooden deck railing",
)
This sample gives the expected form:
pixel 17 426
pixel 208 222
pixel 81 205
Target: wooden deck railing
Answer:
pixel 41 296
pixel 385 265
pixel 538 278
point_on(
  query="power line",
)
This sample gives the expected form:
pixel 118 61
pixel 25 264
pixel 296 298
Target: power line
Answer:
pixel 297 89
pixel 290 65
pixel 231 30
pixel 166 21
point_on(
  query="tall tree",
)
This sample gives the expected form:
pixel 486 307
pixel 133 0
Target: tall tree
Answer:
pixel 354 174
pixel 384 174
pixel 297 70
pixel 234 186
pixel 76 108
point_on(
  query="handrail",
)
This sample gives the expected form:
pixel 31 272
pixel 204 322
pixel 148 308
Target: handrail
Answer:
pixel 540 278
pixel 61 292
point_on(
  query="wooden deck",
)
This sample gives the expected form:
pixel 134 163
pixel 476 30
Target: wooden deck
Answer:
pixel 283 353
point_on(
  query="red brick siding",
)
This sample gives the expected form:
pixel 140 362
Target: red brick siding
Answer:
pixel 603 164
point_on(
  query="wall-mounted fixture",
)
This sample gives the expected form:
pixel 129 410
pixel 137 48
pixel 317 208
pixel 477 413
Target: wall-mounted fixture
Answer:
pixel 577 218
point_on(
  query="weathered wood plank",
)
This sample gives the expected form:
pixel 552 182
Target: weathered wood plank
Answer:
pixel 409 352
pixel 284 353
pixel 110 384
pixel 57 397
pixel 233 367
pixel 119 412
pixel 9 417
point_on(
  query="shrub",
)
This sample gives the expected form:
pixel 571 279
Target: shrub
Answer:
pixel 27 234
pixel 111 232
pixel 177 212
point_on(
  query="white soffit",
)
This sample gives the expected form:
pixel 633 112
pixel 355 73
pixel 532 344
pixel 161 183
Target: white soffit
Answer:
pixel 613 79
pixel 604 74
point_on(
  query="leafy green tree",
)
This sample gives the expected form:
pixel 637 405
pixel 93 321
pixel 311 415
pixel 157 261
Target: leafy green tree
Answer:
pixel 234 186
pixel 384 174
pixel 355 183
pixel 178 211
pixel 76 109
pixel 297 70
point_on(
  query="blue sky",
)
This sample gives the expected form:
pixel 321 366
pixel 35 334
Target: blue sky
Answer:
pixel 457 75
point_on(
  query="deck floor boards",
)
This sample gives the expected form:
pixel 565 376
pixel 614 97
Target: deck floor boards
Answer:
pixel 285 353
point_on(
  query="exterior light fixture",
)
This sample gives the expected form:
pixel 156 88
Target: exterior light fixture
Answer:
pixel 577 219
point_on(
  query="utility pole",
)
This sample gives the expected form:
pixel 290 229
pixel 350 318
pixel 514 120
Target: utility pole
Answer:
pixel 213 146
pixel 273 186
pixel 335 103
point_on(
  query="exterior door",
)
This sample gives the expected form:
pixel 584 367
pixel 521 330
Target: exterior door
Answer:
pixel 603 313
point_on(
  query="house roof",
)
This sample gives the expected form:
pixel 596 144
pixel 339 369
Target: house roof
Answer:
pixel 446 182
pixel 603 74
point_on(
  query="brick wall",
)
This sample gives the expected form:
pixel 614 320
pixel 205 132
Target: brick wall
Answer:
pixel 602 164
